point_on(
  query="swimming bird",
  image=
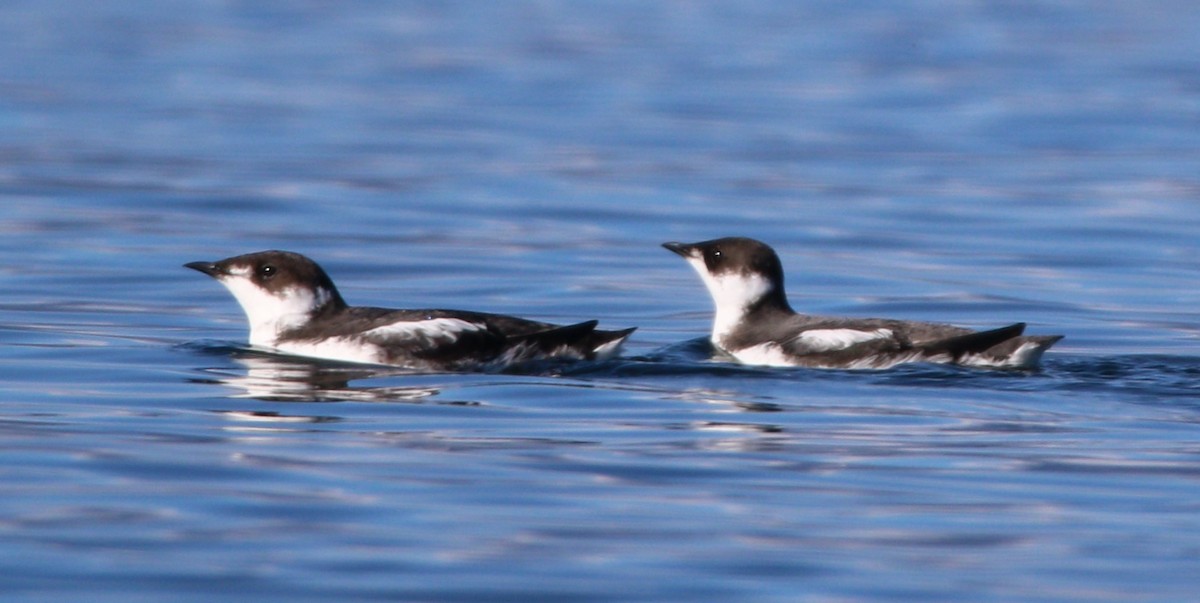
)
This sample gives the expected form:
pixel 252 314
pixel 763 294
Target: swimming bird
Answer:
pixel 293 307
pixel 755 324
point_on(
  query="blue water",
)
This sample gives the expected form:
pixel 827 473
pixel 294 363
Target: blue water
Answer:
pixel 975 163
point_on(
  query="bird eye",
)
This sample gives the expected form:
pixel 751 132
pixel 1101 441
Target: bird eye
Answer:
pixel 266 271
pixel 713 258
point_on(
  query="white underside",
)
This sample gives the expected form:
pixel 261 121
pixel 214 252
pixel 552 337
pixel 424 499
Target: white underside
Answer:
pixel 334 348
pixel 764 354
pixel 431 332
pixel 434 332
pixel 815 341
pixel 771 354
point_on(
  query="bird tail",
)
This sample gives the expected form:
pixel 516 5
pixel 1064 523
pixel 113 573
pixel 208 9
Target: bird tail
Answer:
pixel 606 344
pixel 977 342
pixel 1004 347
pixel 580 339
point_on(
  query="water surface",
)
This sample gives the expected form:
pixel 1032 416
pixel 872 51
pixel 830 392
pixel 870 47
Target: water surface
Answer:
pixel 976 164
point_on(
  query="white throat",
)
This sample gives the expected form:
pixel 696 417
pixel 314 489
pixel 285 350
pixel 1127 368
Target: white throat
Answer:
pixel 270 314
pixel 733 294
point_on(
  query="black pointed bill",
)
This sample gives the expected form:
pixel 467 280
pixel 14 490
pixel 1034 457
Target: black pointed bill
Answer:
pixel 208 268
pixel 683 249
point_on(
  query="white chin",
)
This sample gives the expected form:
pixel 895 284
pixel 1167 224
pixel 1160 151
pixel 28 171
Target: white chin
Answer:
pixel 735 292
pixel 268 313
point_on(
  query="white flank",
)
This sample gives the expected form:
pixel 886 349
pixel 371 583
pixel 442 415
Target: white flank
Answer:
pixel 335 348
pixel 764 354
pixel 828 340
pixel 771 354
pixel 732 294
pixel 434 329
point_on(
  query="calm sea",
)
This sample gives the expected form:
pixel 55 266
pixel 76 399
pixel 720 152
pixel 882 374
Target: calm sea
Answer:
pixel 966 162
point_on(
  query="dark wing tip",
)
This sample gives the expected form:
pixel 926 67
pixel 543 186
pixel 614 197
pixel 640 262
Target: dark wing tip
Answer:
pixel 976 342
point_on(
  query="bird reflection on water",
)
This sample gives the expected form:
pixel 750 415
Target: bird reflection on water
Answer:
pixel 274 378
